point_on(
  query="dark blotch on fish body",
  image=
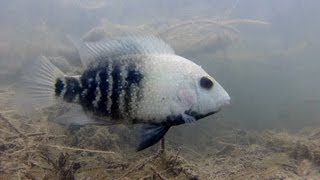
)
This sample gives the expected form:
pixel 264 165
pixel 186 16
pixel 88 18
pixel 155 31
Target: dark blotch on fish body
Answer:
pixel 116 91
pixel 72 90
pixel 133 78
pixel 104 88
pixel 59 87
pixel 89 85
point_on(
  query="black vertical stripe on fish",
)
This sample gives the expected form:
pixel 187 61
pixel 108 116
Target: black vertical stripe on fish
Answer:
pixel 89 85
pixel 133 80
pixel 72 89
pixel 104 88
pixel 58 87
pixel 116 91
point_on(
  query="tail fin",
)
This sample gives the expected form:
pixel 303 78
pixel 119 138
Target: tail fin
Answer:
pixel 37 87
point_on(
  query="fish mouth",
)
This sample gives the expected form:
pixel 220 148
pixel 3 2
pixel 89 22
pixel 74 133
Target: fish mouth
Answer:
pixel 198 116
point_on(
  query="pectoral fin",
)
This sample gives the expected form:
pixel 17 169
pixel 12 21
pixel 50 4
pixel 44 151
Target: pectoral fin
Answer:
pixel 150 134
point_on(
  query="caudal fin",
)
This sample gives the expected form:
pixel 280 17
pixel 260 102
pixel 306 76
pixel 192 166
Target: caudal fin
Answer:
pixel 36 89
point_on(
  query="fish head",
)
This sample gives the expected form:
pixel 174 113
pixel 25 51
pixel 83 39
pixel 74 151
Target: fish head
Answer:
pixel 210 95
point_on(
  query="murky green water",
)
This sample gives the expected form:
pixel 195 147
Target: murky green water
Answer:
pixel 264 53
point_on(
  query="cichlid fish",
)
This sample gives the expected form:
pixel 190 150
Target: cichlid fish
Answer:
pixel 129 80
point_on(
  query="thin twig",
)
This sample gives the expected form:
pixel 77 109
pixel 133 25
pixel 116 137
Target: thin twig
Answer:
pixel 162 145
pixel 7 111
pixel 26 135
pixel 227 24
pixel 158 174
pixel 242 21
pixel 12 126
pixel 192 22
pixel 191 150
pixel 228 144
pixel 36 135
pixel 175 159
pixel 7 132
pixel 80 149
pixel 140 165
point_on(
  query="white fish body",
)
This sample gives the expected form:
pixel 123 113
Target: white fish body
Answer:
pixel 135 79
pixel 173 88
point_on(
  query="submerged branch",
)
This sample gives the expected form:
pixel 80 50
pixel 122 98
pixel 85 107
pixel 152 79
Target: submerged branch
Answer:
pixel 226 24
pixel 158 174
pixel 12 126
pixel 80 149
pixel 40 134
pixel 244 21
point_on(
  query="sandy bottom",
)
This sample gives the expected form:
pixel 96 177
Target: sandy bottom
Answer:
pixel 32 148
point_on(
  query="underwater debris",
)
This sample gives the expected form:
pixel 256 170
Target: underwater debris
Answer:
pixel 184 35
pixel 298 147
pixel 62 166
pixel 86 4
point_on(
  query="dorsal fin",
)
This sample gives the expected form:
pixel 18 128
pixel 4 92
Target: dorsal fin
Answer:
pixel 110 48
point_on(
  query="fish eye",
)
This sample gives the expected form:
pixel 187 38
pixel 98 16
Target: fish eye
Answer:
pixel 206 83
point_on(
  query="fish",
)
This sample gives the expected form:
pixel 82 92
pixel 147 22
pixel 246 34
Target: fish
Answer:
pixel 133 79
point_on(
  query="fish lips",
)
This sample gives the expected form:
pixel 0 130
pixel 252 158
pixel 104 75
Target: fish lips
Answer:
pixel 198 116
